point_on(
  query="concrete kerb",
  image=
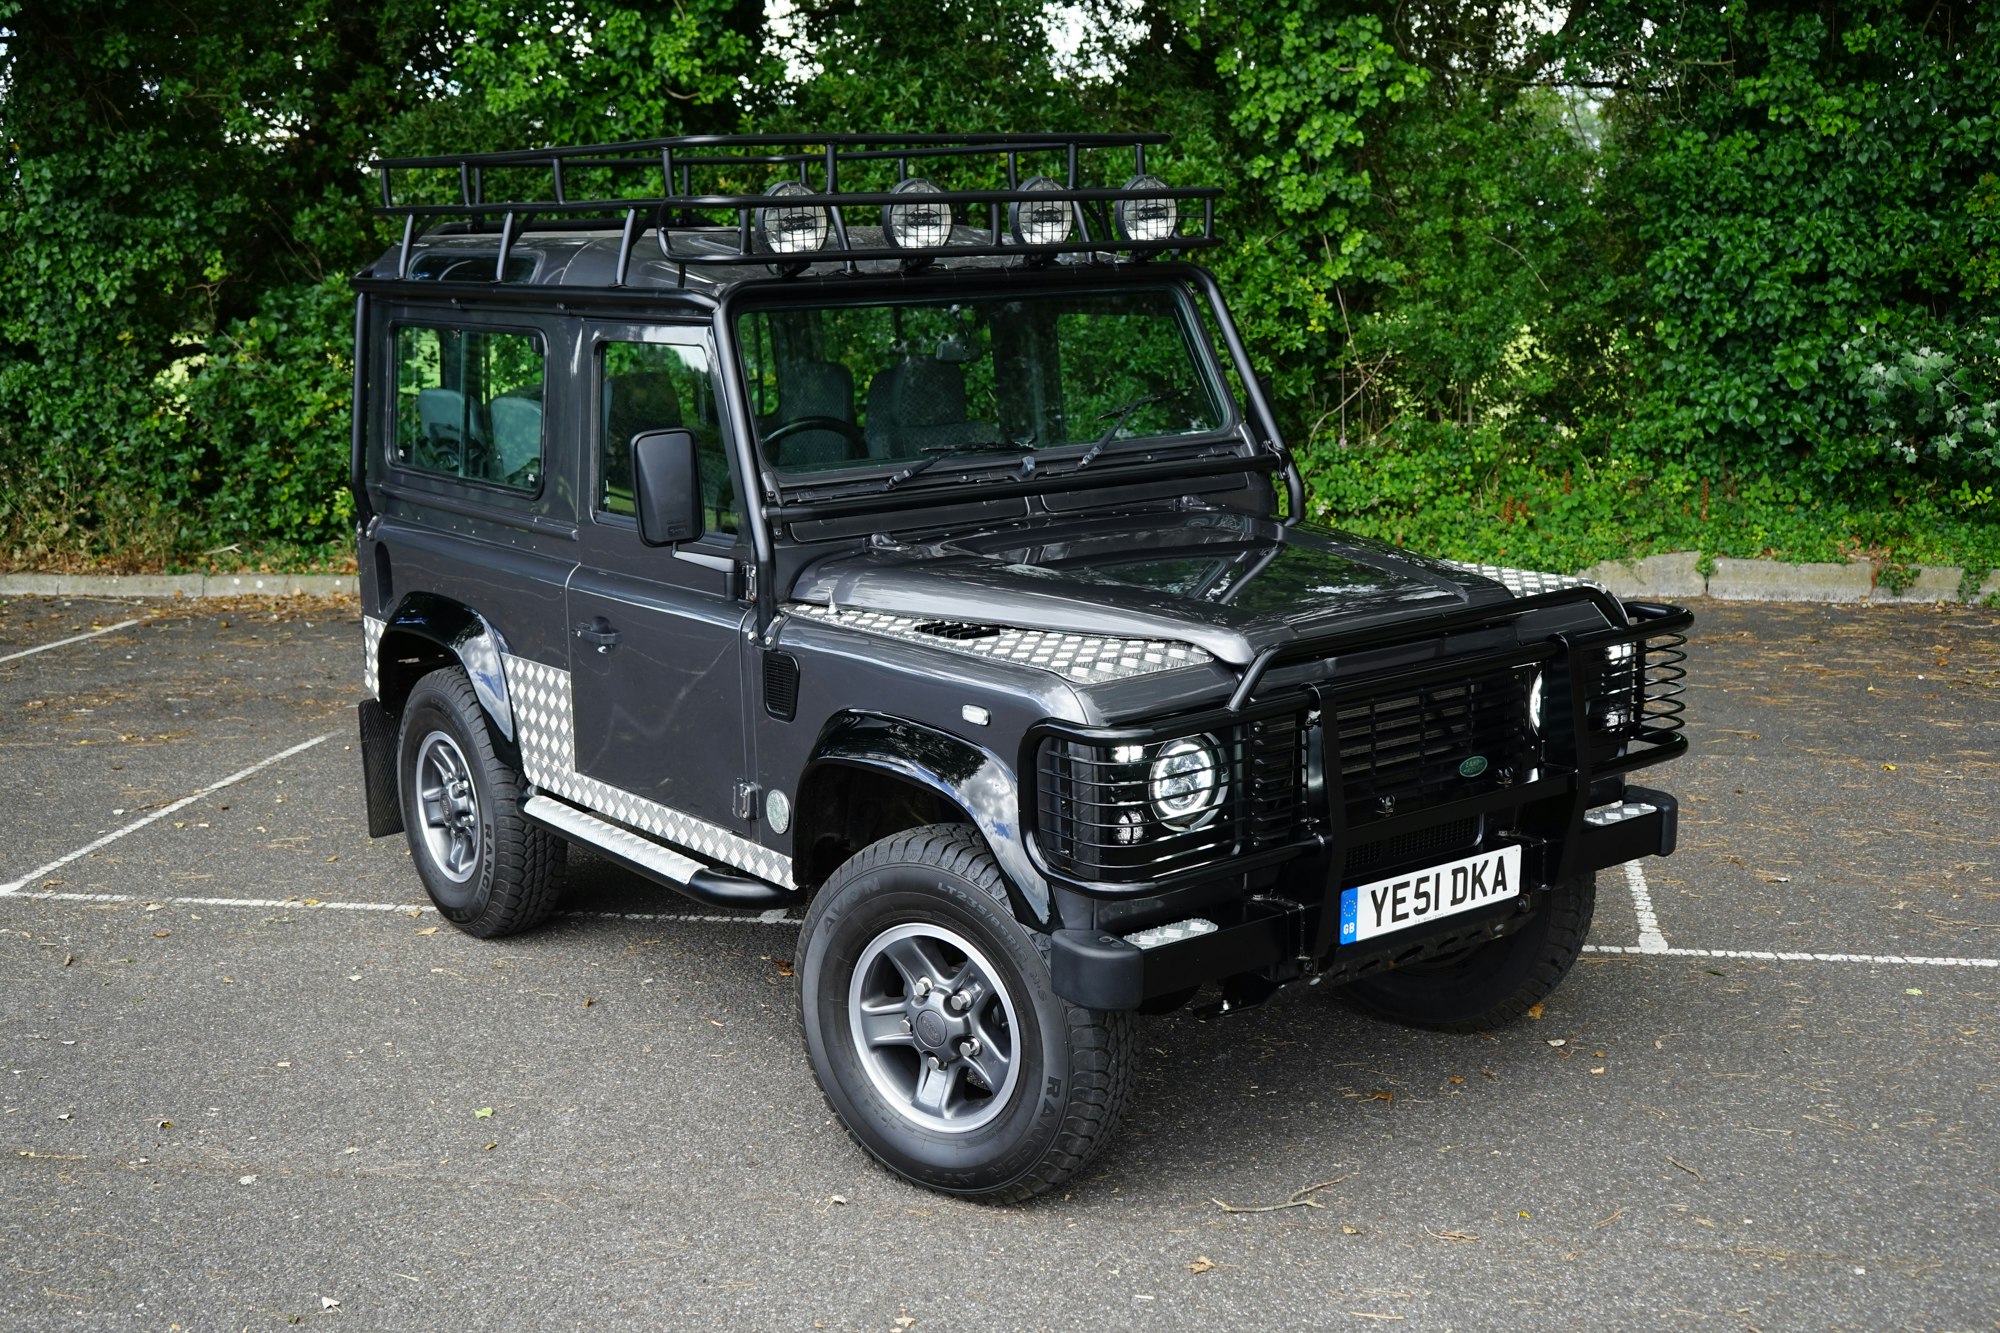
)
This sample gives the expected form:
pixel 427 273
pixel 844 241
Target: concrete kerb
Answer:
pixel 1669 576
pixel 1776 581
pixel 1677 574
pixel 178 585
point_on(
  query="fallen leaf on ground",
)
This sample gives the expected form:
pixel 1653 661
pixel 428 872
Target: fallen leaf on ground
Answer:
pixel 483 1113
pixel 1535 1009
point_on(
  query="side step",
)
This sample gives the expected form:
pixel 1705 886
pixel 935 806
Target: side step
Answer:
pixel 660 864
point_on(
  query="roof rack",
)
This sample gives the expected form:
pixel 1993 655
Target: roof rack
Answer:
pixel 653 182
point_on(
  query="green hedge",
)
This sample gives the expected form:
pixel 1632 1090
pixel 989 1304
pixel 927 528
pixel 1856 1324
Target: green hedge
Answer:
pixel 1716 277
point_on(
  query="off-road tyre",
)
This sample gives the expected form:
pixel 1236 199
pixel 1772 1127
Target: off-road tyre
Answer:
pixel 1491 984
pixel 508 873
pixel 911 891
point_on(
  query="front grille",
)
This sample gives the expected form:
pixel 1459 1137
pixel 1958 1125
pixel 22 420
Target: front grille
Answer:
pixel 1095 821
pixel 1408 749
pixel 1432 845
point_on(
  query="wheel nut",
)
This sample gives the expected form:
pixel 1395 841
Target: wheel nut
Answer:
pixel 969 1047
pixel 923 987
pixel 960 1001
pixel 906 1025
pixel 934 1062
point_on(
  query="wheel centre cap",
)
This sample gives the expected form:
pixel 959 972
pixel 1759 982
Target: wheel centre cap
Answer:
pixel 931 1029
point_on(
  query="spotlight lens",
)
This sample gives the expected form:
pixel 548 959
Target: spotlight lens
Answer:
pixel 792 228
pixel 921 224
pixel 1147 219
pixel 1040 221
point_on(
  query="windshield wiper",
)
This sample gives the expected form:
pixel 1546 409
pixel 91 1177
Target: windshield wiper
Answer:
pixel 1117 417
pixel 938 452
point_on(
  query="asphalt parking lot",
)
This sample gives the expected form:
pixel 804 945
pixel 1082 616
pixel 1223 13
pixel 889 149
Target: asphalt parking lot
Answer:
pixel 248 1082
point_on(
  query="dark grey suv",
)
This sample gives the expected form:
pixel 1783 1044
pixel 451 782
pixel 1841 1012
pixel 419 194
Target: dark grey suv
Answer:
pixel 895 529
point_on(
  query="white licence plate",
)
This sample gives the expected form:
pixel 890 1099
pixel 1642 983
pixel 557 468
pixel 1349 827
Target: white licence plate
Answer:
pixel 1412 899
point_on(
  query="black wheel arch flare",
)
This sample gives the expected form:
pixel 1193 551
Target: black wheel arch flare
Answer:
pixel 973 780
pixel 437 630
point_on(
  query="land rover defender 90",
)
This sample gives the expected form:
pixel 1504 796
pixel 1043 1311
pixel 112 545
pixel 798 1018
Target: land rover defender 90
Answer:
pixel 893 530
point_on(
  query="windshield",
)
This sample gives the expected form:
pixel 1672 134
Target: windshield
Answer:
pixel 840 387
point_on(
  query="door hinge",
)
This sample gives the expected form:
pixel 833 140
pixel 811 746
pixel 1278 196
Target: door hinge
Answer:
pixel 747 580
pixel 746 800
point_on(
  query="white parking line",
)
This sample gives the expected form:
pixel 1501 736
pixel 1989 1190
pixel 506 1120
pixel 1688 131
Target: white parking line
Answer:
pixel 1883 959
pixel 75 638
pixel 50 896
pixel 16 885
pixel 1650 938
pixel 777 917
pixel 774 917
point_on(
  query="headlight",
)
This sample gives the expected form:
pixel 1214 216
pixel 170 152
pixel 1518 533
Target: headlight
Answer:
pixel 1040 221
pixel 920 224
pixel 1147 219
pixel 1187 783
pixel 791 228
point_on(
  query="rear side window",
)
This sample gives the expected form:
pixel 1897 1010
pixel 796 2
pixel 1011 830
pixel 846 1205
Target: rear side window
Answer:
pixel 469 405
pixel 660 386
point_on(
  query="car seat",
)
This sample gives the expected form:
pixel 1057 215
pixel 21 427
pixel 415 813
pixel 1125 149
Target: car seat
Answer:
pixel 815 389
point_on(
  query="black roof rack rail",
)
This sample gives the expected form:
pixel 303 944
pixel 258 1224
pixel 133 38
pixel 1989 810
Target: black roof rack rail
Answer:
pixel 737 167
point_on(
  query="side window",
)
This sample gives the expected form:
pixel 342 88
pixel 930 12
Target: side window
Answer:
pixel 469 405
pixel 660 386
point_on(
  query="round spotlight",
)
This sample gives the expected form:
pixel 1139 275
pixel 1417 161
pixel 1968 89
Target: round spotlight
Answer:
pixel 921 224
pixel 792 228
pixel 1147 219
pixel 1039 221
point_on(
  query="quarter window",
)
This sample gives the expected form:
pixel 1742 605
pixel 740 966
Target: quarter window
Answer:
pixel 469 405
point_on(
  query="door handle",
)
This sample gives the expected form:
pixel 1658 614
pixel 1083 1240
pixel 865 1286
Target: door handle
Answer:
pixel 598 632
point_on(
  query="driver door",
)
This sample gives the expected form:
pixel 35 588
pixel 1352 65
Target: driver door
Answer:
pixel 657 649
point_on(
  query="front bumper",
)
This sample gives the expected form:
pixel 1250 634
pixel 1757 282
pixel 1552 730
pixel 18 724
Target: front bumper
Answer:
pixel 1101 970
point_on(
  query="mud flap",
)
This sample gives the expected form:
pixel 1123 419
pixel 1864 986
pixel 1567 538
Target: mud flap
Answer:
pixel 378 769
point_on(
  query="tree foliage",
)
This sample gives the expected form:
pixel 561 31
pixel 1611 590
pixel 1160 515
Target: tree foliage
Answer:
pixel 1502 264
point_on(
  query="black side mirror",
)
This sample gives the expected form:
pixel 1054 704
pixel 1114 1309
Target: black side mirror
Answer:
pixel 666 487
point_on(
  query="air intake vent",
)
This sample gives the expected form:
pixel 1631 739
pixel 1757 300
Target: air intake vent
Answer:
pixel 949 629
pixel 781 686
